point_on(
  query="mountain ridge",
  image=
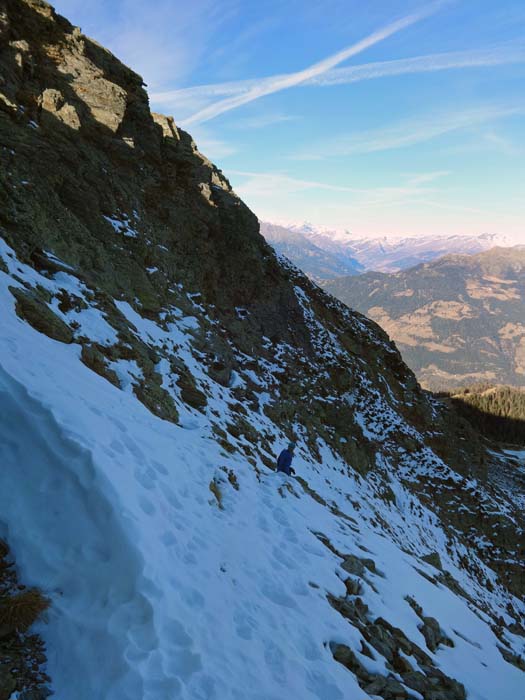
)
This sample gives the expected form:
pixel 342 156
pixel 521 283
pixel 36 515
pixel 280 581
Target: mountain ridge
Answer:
pixel 457 320
pixel 382 254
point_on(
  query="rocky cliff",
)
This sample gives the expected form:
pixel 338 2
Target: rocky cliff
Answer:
pixel 156 346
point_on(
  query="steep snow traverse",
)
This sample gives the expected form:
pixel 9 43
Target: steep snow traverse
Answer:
pixel 156 355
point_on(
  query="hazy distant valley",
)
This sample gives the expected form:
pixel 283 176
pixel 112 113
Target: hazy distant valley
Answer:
pixel 454 305
pixel 324 254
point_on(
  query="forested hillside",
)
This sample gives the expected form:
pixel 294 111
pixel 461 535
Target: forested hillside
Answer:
pixel 457 321
pixel 498 412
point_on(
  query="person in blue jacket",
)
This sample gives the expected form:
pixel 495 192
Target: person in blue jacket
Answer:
pixel 284 461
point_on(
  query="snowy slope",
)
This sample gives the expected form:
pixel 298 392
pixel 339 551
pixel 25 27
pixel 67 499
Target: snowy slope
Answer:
pixel 160 593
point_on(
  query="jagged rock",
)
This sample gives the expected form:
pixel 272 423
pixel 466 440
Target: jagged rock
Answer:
pixel 437 694
pixel 433 634
pixel 382 640
pixel 346 656
pixel 391 643
pixel 157 399
pixel 54 106
pixel 376 686
pixel 220 372
pixel 4 23
pixel 353 565
pixel 388 688
pixel 401 664
pixel 416 680
pixel 353 586
pixel 95 360
pixel 40 316
pixel 70 302
pixel 402 642
pixel 394 690
pixel 433 559
pixel 189 392
pixel 7 683
pixel 354 610
pixel 168 126
pixel 511 658
pixel 35 694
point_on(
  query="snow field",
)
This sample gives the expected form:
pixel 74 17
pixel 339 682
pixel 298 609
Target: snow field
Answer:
pixel 157 592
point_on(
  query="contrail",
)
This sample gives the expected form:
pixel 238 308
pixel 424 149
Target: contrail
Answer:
pixel 495 56
pixel 269 86
pixel 477 58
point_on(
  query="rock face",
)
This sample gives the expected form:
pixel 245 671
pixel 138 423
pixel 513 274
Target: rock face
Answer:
pixel 40 316
pixel 124 245
pixel 457 320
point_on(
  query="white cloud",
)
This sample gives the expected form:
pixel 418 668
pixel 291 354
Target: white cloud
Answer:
pixel 502 144
pixel 269 86
pixel 408 132
pixel 421 178
pixel 272 184
pixel 263 120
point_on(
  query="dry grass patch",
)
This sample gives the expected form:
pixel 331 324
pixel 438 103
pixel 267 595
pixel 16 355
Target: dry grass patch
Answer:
pixel 20 611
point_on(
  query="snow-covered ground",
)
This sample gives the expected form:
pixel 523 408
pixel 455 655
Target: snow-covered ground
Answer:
pixel 161 590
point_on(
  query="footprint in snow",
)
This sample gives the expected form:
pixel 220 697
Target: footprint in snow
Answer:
pixel 245 625
pixel 146 505
pixel 168 539
pixel 280 516
pixel 159 467
pixel 277 595
pixel 146 478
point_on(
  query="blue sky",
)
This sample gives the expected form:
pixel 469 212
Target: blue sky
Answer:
pixel 384 117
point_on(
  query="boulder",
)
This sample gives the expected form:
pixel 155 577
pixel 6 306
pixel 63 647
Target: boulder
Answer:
pixel 40 316
pixel 353 565
pixel 433 559
pixel 7 682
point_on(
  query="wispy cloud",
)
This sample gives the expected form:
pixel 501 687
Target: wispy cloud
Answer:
pixel 195 98
pixel 263 120
pixel 164 42
pixel 503 144
pixel 269 86
pixel 409 132
pixel 422 178
pixel 494 56
pixel 270 184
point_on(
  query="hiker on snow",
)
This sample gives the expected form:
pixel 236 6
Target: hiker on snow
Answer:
pixel 284 461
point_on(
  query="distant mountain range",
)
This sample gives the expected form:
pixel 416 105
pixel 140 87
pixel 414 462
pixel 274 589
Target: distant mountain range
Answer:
pixel 319 262
pixel 456 320
pixel 325 254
